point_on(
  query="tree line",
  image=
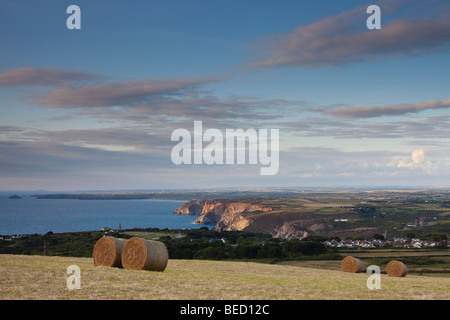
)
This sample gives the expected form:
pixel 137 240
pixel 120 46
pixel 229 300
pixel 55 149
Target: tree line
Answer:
pixel 192 244
pixel 214 245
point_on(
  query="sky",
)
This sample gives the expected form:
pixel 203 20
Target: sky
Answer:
pixel 95 108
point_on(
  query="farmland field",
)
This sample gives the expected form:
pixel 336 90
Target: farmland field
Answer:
pixel 433 263
pixel 40 277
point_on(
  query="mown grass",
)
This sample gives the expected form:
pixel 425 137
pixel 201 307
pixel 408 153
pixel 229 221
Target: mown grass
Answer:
pixel 423 262
pixel 38 277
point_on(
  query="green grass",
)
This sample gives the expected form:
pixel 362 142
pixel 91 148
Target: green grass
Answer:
pixel 149 235
pixel 420 262
pixel 39 277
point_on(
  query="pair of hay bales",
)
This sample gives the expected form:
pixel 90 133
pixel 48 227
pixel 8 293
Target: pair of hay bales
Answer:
pixel 394 268
pixel 134 254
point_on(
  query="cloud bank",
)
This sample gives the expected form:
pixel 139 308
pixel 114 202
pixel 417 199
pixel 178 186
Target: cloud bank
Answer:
pixel 344 39
pixel 42 77
pixel 389 110
pixel 116 93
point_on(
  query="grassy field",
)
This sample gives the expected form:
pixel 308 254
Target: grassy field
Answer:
pixel 44 278
pixel 433 263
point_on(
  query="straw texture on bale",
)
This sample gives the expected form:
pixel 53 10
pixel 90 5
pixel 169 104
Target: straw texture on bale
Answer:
pixel 351 264
pixel 108 252
pixel 396 269
pixel 142 254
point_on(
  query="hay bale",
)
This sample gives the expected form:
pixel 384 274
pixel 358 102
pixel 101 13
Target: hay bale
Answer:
pixel 352 264
pixel 142 254
pixel 108 252
pixel 396 269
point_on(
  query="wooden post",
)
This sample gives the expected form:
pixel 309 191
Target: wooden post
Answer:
pixel 45 247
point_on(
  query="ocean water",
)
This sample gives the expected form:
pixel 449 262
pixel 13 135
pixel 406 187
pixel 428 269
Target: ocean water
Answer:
pixel 30 215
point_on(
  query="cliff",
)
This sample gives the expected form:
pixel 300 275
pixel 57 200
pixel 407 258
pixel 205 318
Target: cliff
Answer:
pixel 225 214
pixel 249 215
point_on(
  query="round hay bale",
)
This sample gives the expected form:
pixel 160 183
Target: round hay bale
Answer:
pixel 396 269
pixel 142 254
pixel 351 264
pixel 108 252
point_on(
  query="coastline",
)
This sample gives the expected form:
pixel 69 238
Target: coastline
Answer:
pixel 40 216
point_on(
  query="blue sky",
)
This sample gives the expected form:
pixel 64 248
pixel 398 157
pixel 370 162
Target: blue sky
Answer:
pixel 94 108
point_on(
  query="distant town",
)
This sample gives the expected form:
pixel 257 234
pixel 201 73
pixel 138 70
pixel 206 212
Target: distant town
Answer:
pixel 394 242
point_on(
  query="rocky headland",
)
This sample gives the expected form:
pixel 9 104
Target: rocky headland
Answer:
pixel 250 215
pixel 224 214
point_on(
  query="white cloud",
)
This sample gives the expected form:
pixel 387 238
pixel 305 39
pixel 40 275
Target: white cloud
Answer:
pixel 419 161
pixel 418 156
pixel 105 147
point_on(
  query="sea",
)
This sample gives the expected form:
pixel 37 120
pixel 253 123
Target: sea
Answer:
pixel 39 216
